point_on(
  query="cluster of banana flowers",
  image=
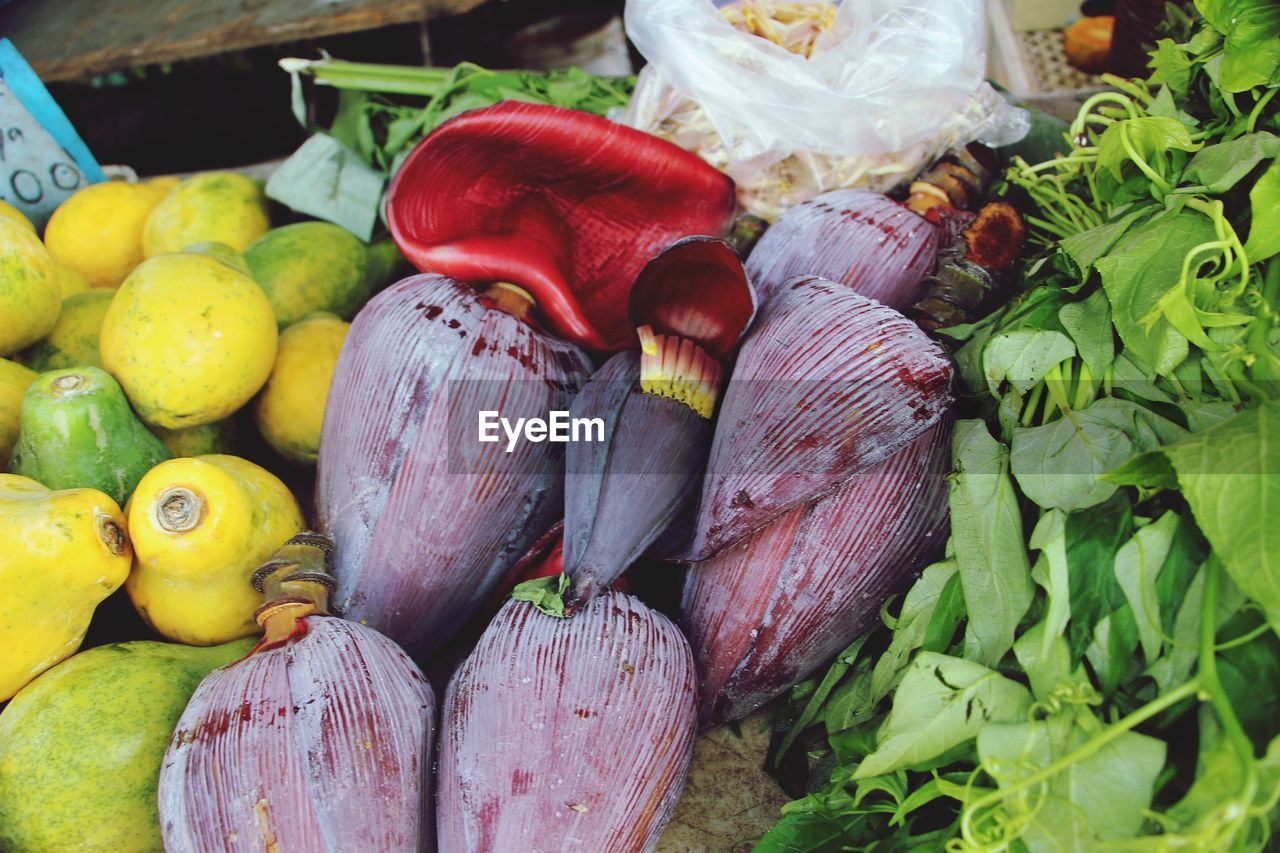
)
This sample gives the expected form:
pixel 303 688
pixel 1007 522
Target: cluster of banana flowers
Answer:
pixel 781 428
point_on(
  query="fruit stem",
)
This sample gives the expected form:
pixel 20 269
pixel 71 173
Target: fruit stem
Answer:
pixel 111 534
pixel 178 509
pixel 295 583
pixel 510 298
pixel 67 383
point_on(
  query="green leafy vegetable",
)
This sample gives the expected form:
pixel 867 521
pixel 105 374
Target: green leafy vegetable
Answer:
pixel 941 703
pixel 1135 380
pixel 1228 474
pixel 987 539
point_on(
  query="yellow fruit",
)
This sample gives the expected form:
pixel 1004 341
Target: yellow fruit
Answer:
pixel 160 187
pixel 98 231
pixel 190 339
pixel 70 282
pixel 14 381
pixel 74 339
pixel 217 437
pixel 290 408
pixel 219 206
pixel 29 293
pixel 8 211
pixel 200 527
pixel 64 552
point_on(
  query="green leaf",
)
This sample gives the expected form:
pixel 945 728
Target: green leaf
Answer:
pixel 1129 377
pixel 1093 538
pixel 1023 357
pixel 1112 649
pixel 325 179
pixel 1137 566
pixel 1174 667
pixel 1186 554
pixel 1250 675
pixel 1097 799
pixel 1046 659
pixel 1088 322
pixel 835 672
pixel 851 703
pixel 1217 796
pixel 350 114
pixel 912 626
pixel 1264 228
pixel 546 594
pixel 1228 477
pixel 1220 167
pixel 810 833
pixel 1251 48
pixel 1149 471
pixel 946 617
pixel 1086 247
pixel 1052 571
pixel 1060 465
pixel 1148 136
pixel 1170 65
pixel 1142 267
pixel 986 526
pixel 942 702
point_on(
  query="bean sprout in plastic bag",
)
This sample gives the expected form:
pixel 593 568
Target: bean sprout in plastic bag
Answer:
pixel 793 99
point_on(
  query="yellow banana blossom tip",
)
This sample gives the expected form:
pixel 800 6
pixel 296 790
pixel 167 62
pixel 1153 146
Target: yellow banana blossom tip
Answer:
pixel 679 369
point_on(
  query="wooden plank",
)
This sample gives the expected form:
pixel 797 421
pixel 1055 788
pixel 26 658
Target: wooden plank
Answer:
pixel 71 39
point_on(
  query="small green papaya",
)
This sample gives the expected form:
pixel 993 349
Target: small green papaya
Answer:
pixel 81 746
pixel 77 431
pixel 386 264
pixel 310 266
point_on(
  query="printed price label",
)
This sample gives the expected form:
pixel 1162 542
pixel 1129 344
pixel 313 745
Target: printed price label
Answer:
pixel 36 175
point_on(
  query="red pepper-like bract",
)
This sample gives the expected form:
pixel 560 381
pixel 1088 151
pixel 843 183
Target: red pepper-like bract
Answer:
pixel 568 206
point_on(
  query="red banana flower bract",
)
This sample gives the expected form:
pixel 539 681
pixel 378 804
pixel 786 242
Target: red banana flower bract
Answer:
pixel 566 205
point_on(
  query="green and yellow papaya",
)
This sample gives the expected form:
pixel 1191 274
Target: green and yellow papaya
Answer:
pixel 74 339
pixel 81 746
pixel 64 552
pixel 310 266
pixel 77 431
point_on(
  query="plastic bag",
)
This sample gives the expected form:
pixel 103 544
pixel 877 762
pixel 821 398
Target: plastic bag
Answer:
pixel 889 86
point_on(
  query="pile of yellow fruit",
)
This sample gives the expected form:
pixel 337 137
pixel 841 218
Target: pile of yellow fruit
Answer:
pixel 196 309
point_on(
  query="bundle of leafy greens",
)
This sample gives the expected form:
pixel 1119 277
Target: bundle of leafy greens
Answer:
pixel 1095 662
pixel 341 172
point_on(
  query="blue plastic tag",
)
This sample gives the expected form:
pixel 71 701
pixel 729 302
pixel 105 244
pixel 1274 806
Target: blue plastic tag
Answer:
pixel 42 158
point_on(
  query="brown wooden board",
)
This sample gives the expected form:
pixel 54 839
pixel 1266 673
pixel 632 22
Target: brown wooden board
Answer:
pixel 71 39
